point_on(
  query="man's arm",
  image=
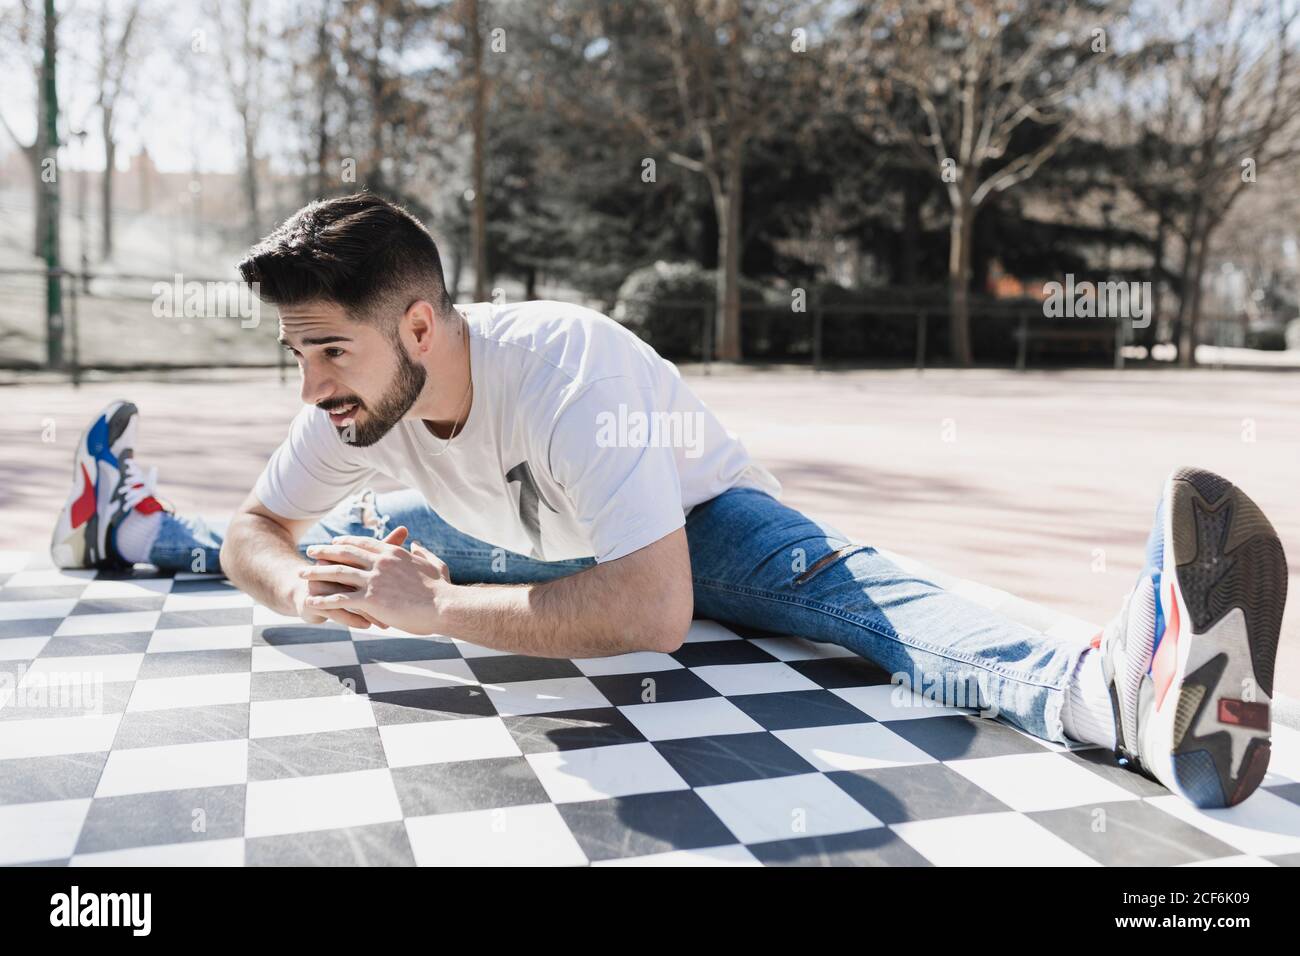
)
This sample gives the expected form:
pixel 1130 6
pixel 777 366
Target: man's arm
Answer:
pixel 260 556
pixel 640 602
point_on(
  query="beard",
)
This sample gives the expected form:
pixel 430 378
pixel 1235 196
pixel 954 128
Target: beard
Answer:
pixel 380 418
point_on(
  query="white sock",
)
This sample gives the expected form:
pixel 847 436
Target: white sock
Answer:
pixel 1087 715
pixel 136 534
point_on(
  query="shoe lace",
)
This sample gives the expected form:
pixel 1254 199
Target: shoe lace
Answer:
pixel 140 483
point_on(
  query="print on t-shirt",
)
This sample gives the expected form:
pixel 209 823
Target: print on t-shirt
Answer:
pixel 530 496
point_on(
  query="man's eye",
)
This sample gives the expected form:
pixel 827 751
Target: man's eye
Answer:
pixel 333 353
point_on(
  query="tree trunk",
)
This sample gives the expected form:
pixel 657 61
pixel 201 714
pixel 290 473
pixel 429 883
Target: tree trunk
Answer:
pixel 911 236
pixel 457 266
pixel 963 221
pixel 35 155
pixel 42 215
pixel 1187 347
pixel 1186 334
pixel 322 104
pixel 728 194
pixel 530 284
pixel 1150 334
pixel 106 186
pixel 478 232
pixel 250 180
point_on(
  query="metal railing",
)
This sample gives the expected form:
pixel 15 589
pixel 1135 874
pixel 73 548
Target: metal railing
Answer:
pixel 820 333
pixel 129 335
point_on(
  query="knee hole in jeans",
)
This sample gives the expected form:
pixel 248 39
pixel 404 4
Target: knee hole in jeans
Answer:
pixel 826 561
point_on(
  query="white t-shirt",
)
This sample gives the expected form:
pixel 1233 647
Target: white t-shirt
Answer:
pixel 581 442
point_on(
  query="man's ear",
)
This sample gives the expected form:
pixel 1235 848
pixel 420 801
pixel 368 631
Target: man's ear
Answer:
pixel 422 324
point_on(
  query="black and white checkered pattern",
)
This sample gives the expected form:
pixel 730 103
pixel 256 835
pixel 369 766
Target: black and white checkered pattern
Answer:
pixel 159 720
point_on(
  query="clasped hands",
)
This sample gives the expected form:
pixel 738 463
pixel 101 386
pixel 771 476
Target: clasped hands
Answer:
pixel 360 581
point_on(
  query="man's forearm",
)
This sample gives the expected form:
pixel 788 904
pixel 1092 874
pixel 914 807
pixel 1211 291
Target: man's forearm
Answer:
pixel 582 615
pixel 261 558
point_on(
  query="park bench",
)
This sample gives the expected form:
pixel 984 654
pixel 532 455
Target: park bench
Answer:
pixel 1033 329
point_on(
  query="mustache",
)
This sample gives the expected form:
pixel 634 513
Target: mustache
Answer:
pixel 334 404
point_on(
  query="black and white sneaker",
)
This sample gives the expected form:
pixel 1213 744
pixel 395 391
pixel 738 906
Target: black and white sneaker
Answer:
pixel 1189 659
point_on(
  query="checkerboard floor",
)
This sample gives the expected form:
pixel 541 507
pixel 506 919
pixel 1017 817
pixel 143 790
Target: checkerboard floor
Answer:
pixel 158 720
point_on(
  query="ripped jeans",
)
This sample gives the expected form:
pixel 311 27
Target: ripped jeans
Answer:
pixel 757 563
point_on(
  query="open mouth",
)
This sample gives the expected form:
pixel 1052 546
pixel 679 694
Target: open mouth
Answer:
pixel 343 414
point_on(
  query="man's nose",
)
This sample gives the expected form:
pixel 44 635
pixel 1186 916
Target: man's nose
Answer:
pixel 315 387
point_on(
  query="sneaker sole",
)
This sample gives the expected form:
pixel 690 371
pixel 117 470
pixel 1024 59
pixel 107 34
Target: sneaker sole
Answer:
pixel 1222 591
pixel 80 547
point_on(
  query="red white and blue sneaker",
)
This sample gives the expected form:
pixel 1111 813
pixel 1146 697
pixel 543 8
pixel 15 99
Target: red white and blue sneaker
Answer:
pixel 1189 659
pixel 107 485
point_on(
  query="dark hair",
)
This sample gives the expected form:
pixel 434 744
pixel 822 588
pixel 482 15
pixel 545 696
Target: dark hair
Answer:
pixel 360 251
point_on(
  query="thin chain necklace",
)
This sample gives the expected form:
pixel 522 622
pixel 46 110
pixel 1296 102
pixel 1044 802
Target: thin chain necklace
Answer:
pixel 459 425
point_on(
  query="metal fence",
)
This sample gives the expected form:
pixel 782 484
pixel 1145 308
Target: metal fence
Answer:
pixel 113 321
pixel 882 329
pixel 131 322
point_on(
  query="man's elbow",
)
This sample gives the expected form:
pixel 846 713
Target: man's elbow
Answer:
pixel 233 550
pixel 669 621
pixel 228 556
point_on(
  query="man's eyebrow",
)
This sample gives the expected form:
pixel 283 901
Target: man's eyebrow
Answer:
pixel 319 340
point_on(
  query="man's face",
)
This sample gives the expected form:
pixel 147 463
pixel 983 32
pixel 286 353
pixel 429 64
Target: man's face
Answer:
pixel 353 370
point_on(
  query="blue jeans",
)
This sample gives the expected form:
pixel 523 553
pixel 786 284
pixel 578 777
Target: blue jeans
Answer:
pixel 758 563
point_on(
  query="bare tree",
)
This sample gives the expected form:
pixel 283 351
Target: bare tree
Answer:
pixel 977 92
pixel 112 68
pixel 244 63
pixel 696 81
pixel 25 34
pixel 478 127
pixel 1238 91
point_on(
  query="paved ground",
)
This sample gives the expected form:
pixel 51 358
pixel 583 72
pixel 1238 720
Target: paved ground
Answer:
pixel 1041 483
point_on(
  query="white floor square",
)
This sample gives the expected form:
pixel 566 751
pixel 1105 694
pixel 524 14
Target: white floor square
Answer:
pixel 179 767
pixel 443 741
pixel 530 835
pixel 989 839
pixel 199 690
pixel 894 702
pixel 800 649
pixel 309 715
pixel 415 675
pixel 35 610
pixel 49 736
pixel 1264 824
pixel 120 623
pixel 105 668
pixel 773 677
pixel 786 808
pixel 325 802
pixel 544 696
pixel 638 663
pixel 594 773
pixel 852 747
pixel 35 832
pixel 227 637
pixel 671 719
pixel 289 657
pixel 1039 781
pixel 128 588
pixel 227 852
